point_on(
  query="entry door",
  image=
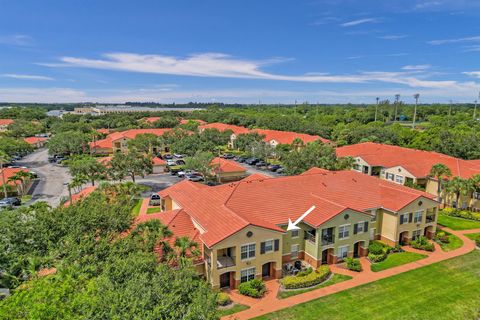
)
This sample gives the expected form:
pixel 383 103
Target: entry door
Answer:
pixel 325 256
pixel 355 250
pixel 266 270
pixel 225 280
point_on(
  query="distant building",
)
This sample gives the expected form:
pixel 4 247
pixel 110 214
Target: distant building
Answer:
pixel 4 123
pixel 102 110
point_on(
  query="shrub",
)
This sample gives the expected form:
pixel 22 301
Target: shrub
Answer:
pixel 223 299
pixel 254 288
pixel 375 247
pixel 378 251
pixel 354 264
pixel 377 257
pixel 442 236
pixel 305 272
pixel 397 248
pixel 305 281
pixel 461 213
pixel 422 243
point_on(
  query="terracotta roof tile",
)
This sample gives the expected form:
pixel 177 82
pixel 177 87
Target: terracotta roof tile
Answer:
pixel 34 140
pixel 6 122
pixel 10 172
pixel 80 195
pixel 223 165
pixel 224 127
pixel 287 137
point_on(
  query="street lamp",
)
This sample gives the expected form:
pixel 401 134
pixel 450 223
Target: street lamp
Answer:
pixel 376 109
pixel 416 96
pixel 397 100
pixel 475 109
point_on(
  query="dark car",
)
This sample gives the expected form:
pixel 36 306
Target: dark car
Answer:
pixel 52 159
pixel 167 156
pixel 180 162
pixel 261 164
pixel 274 167
pixel 241 159
pixel 280 170
pixel 154 200
pixel 9 202
pixel 251 161
pixel 212 183
pixel 228 156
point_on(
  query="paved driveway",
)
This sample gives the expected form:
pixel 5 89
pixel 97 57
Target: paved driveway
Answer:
pixel 51 178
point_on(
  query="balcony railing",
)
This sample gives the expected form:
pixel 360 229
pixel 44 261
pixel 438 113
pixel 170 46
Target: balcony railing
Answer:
pixel 328 239
pixel 225 262
pixel 310 237
pixel 429 219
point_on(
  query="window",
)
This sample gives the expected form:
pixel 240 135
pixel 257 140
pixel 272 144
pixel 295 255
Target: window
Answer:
pixel 404 218
pixel 390 176
pixel 295 233
pixel 356 167
pixel 343 252
pixel 476 195
pixel 360 227
pixel 294 251
pixel 247 251
pixel 416 234
pixel 417 217
pixel 268 245
pixel 247 274
pixel 343 231
pixel 399 179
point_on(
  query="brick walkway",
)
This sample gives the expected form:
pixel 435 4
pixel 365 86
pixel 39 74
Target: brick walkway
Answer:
pixel 271 303
pixel 144 207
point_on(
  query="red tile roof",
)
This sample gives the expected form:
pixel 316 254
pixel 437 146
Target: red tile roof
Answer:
pixel 6 122
pixel 151 119
pixel 224 210
pixel 34 140
pixel 221 165
pixel 80 195
pixel 224 127
pixel 107 143
pixel 158 162
pixel 287 137
pixel 10 172
pixel 104 131
pixel 417 162
pixel 256 176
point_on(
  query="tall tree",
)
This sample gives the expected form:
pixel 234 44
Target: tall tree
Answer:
pixel 86 166
pixel 4 158
pixel 458 186
pixel 440 172
pixel 200 162
pixel 130 164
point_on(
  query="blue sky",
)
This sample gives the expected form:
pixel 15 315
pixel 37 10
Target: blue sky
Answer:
pixel 239 51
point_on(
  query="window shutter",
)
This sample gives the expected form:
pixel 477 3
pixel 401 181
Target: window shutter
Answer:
pixel 365 227
pixel 355 228
pixel 262 247
pixel 276 245
pixel 410 217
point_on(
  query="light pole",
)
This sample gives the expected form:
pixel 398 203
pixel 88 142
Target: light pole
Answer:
pixel 475 108
pixel 450 109
pixel 376 109
pixel 397 100
pixel 416 96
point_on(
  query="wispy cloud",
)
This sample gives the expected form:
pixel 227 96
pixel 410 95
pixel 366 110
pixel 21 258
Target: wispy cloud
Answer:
pixel 475 74
pixel 16 40
pixel 393 37
pixel 417 67
pixel 26 77
pixel 359 22
pixel 225 66
pixel 454 40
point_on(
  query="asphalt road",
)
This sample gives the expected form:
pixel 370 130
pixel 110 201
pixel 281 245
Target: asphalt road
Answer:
pixel 49 186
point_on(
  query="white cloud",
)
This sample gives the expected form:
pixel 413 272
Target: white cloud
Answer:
pixel 475 74
pixel 16 40
pixel 454 40
pixel 26 77
pixel 42 95
pixel 358 22
pixel 393 37
pixel 417 67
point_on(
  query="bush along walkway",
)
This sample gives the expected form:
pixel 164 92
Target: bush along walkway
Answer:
pixel 270 302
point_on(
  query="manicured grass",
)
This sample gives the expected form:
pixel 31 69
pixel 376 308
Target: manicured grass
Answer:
pixel 153 210
pixel 448 290
pixel 136 209
pixel 454 242
pixel 473 236
pixel 26 198
pixel 396 259
pixel 455 223
pixel 236 308
pixel 336 278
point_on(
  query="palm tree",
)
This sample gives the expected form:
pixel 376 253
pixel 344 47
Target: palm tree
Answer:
pixel 13 179
pixel 458 186
pixel 154 235
pixel 183 251
pixel 26 177
pixel 4 158
pixel 440 172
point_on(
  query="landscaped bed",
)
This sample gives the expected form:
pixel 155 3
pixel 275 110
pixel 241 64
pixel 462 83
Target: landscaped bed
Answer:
pixel 333 279
pixel 396 259
pixel 475 237
pixel 307 278
pixel 450 291
pixel 153 210
pixel 456 223
pixel 447 241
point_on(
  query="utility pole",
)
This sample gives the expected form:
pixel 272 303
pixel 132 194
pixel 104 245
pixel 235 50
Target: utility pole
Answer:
pixel 376 109
pixel 416 96
pixel 475 109
pixel 397 100
pixel 450 110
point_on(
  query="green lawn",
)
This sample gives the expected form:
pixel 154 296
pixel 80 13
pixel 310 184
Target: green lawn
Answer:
pixel 153 210
pixel 26 198
pixel 396 259
pixel 336 278
pixel 136 209
pixel 455 242
pixel 448 290
pixel 473 236
pixel 236 308
pixel 455 223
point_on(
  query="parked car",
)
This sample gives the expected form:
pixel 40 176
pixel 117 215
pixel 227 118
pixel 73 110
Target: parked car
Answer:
pixel 241 159
pixel 251 161
pixel 261 164
pixel 175 169
pixel 34 174
pixel 52 159
pixel 178 155
pixel 154 200
pixel 212 183
pixel 14 166
pixel 280 170
pixel 180 162
pixel 167 156
pixel 10 202
pixel 194 177
pixel 228 156
pixel 274 167
pixel 171 162
pixel 181 173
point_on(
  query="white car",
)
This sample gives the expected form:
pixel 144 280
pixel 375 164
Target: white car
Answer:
pixel 177 155
pixel 171 162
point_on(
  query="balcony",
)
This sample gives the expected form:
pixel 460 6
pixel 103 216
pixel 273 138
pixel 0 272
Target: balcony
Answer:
pixel 225 262
pixel 310 237
pixel 328 240
pixel 430 218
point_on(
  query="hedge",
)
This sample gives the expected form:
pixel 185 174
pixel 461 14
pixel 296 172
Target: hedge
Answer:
pixel 461 214
pixel 309 280
pixel 254 288
pixel 223 299
pixel 354 264
pixel 422 243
